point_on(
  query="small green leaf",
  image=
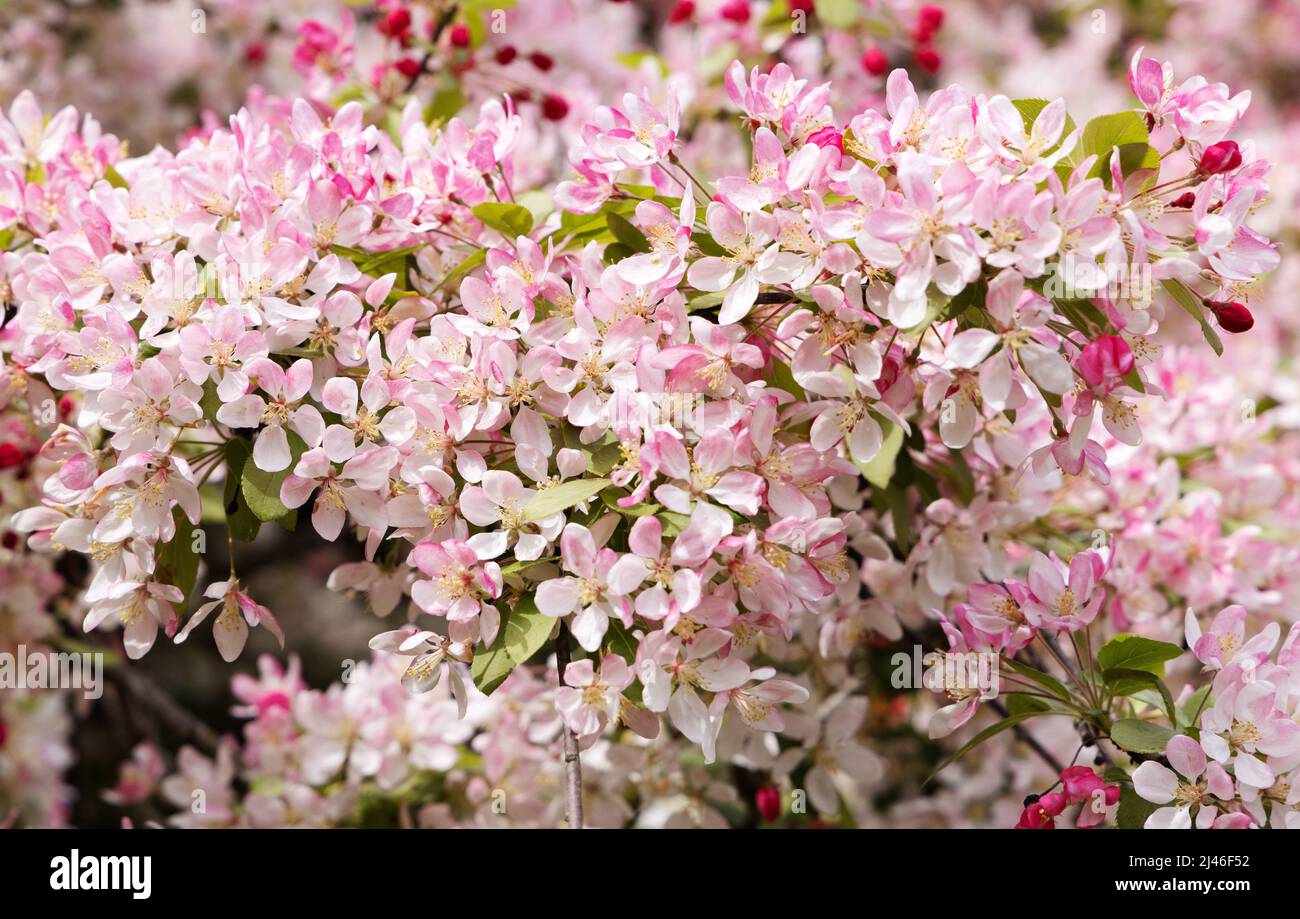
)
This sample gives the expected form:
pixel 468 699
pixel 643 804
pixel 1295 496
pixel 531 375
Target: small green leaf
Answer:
pixel 838 14
pixel 1102 133
pixel 261 489
pixel 1133 809
pixel 1123 682
pixel 510 220
pixel 618 640
pixel 1133 652
pixel 626 233
pixel 178 563
pixel 1019 703
pixel 526 630
pixel 114 177
pixel 551 501
pixel 1192 304
pixel 493 664
pixel 240 519
pixel 1045 680
pixel 880 468
pixel 1138 736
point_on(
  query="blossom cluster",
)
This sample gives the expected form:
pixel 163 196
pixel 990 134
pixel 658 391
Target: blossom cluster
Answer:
pixel 726 419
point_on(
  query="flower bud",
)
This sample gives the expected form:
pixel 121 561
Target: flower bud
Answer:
pixel 554 108
pixel 1232 316
pixel 681 11
pixel 735 10
pixel 1221 157
pixel 874 62
pixel 768 801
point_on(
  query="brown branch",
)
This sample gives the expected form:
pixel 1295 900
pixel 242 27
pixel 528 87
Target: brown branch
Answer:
pixel 438 29
pixel 572 761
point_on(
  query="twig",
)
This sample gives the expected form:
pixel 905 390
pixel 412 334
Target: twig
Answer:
pixel 438 29
pixel 153 697
pixel 572 762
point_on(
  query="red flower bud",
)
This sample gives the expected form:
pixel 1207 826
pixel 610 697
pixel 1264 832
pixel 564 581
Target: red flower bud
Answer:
pixel 1232 316
pixel 681 11
pixel 11 456
pixel 1186 199
pixel 768 801
pixel 505 54
pixel 407 67
pixel 9 540
pixel 395 23
pixel 541 61
pixel 459 36
pixel 554 108
pixel 874 62
pixel 928 60
pixel 735 10
pixel 802 6
pixel 931 17
pixel 1221 157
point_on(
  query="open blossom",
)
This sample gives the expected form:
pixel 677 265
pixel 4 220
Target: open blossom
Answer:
pixel 1191 783
pixel 238 612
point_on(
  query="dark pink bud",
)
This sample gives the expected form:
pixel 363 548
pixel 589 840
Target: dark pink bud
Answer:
pixel 1186 199
pixel 1232 316
pixel 768 801
pixel 1221 157
pixel 735 10
pixel 681 11
pixel 874 62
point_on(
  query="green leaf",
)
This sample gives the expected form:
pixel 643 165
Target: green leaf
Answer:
pixel 838 14
pixel 991 731
pixel 493 664
pixel 1133 652
pixel 114 177
pixel 880 468
pixel 1045 680
pixel 526 630
pixel 446 102
pixel 261 489
pixel 1123 682
pixel 1196 703
pixel 618 640
pixel 210 402
pixel 1132 158
pixel 626 233
pixel 1122 131
pixel 240 519
pixel 1133 809
pixel 1019 703
pixel 510 220
pixel 1192 304
pixel 1106 131
pixel 1140 736
pixel 178 563
pixel 551 501
pixel 782 377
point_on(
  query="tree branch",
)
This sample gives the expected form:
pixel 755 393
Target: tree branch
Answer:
pixel 572 762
